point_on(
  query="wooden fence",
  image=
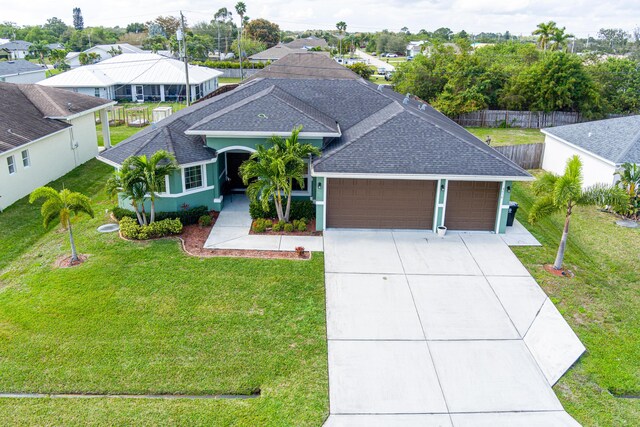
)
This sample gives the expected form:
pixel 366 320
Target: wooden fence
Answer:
pixel 527 156
pixel 518 119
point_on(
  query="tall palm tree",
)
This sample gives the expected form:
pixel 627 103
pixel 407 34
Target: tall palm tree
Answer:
pixel 342 27
pixel 39 49
pixel 124 181
pixel 563 193
pixel 241 9
pixel 151 172
pixel 545 31
pixel 62 205
pixel 559 39
pixel 220 17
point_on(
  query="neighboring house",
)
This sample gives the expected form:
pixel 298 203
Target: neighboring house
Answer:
pixel 279 51
pixel 21 71
pixel 415 47
pixel 307 43
pixel 17 49
pixel 55 46
pixel 104 51
pixel 388 161
pixel 602 145
pixel 428 48
pixel 137 77
pixel 44 133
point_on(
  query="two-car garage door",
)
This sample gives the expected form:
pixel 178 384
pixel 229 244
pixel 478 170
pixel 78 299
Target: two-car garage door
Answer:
pixel 409 204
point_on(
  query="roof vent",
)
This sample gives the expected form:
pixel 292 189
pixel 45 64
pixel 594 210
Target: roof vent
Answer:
pixel 380 87
pixel 408 95
pixel 589 134
pixel 69 106
pixel 405 101
pixel 262 116
pixel 423 107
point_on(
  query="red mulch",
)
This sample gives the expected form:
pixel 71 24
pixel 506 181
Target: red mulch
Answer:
pixel 311 231
pixel 559 273
pixel 65 261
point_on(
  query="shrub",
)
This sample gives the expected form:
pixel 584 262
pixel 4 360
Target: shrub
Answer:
pixel 187 216
pixel 288 227
pixel 130 228
pixel 229 64
pixel 205 221
pixel 277 227
pixel 301 226
pixel 260 225
pixel 299 209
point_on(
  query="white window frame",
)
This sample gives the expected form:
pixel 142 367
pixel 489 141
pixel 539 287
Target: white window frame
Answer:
pixel 26 158
pixel 96 92
pixel 307 180
pixel 203 178
pixel 11 164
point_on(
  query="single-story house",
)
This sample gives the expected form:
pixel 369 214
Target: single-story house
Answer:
pixel 55 46
pixel 388 161
pixel 16 49
pixel 307 43
pixel 415 47
pixel 21 71
pixel 137 77
pixel 602 145
pixel 105 51
pixel 44 133
pixel 279 51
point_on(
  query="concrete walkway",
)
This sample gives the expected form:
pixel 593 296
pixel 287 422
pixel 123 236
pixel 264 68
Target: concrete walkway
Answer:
pixel 231 231
pixel 429 331
pixel 376 62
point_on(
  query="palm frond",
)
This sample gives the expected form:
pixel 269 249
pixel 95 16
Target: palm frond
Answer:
pixel 543 207
pixel 545 183
pixel 43 193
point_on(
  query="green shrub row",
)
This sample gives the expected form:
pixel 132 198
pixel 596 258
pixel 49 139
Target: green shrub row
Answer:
pixel 229 64
pixel 187 217
pixel 130 228
pixel 261 225
pixel 299 209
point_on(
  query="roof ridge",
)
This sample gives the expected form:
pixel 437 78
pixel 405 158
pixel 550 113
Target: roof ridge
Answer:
pixel 635 140
pixel 278 91
pixel 46 96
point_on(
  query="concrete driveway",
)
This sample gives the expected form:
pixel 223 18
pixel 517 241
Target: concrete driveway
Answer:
pixel 436 331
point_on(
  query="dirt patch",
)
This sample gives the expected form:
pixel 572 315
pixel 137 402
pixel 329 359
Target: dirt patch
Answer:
pixel 311 231
pixel 64 261
pixel 558 273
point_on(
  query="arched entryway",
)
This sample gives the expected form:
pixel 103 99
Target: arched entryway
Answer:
pixel 233 157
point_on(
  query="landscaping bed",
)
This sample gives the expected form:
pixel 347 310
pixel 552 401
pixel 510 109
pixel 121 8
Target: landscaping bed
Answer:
pixel 309 231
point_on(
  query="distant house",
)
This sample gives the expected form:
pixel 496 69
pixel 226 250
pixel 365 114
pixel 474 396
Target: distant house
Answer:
pixel 278 51
pixel 17 49
pixel 44 133
pixel 137 77
pixel 55 46
pixel 21 71
pixel 602 146
pixel 307 43
pixel 105 51
pixel 415 47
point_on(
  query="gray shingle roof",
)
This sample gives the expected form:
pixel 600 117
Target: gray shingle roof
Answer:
pixel 273 53
pixel 307 42
pixel 16 45
pixel 8 68
pixel 306 65
pixel 616 140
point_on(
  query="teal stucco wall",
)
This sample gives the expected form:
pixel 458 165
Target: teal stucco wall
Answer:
pixel 319 184
pixel 219 144
pixel 503 207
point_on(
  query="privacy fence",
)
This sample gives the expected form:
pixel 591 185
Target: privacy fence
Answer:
pixel 518 119
pixel 527 156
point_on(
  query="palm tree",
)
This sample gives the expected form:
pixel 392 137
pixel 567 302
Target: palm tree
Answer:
pixel 39 49
pixel 342 27
pixel 629 178
pixel 62 205
pixel 563 193
pixel 124 181
pixel 219 17
pixel 559 39
pixel 545 31
pixel 152 172
pixel 241 9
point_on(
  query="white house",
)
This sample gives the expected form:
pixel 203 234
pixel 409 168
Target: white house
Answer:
pixel 44 133
pixel 415 47
pixel 17 49
pixel 21 71
pixel 137 77
pixel 602 146
pixel 104 51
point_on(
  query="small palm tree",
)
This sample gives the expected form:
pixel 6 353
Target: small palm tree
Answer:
pixel 545 31
pixel 342 27
pixel 39 49
pixel 62 205
pixel 124 181
pixel 560 38
pixel 629 174
pixel 563 193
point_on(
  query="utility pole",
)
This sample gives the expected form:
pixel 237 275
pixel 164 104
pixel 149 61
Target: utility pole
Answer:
pixel 181 35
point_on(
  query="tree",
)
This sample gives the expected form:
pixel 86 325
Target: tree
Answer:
pixel 57 57
pixel 169 25
pixel 39 50
pixel 559 39
pixel 115 51
pixel 563 193
pixel 545 31
pixel 444 34
pixel 221 17
pixel 88 58
pixel 249 46
pixel 629 180
pixel 616 38
pixel 55 26
pixel 78 20
pixel 264 31
pixel 342 27
pixel 618 82
pixel 126 183
pixel 136 27
pixel 362 69
pixel 241 9
pixel 62 205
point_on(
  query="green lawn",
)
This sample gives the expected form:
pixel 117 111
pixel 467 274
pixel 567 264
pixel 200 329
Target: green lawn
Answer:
pixel 508 136
pixel 118 133
pixel 602 305
pixel 146 318
pixel 228 80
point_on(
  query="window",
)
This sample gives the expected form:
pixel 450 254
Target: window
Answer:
pixel 96 92
pixel 192 177
pixel 11 164
pixel 26 161
pixel 307 180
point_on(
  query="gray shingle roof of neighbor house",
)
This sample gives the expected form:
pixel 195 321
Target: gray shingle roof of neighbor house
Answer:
pixel 307 42
pixel 616 140
pixel 8 68
pixel 381 131
pixel 273 53
pixel 16 45
pixel 28 112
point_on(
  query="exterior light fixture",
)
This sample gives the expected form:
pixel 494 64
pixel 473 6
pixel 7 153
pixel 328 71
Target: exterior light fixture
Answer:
pixel 508 189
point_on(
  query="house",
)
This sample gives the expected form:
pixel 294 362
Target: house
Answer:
pixel 21 71
pixel 16 49
pixel 415 47
pixel 602 146
pixel 307 43
pixel 44 133
pixel 388 161
pixel 137 77
pixel 55 46
pixel 104 51
pixel 279 51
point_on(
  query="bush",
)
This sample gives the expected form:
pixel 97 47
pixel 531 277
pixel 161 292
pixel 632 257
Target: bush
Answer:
pixel 299 209
pixel 288 227
pixel 229 64
pixel 361 69
pixel 301 226
pixel 130 228
pixel 260 225
pixel 205 221
pixel 277 227
pixel 186 217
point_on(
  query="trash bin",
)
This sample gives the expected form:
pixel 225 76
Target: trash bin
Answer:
pixel 513 208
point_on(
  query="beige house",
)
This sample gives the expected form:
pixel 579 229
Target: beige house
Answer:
pixel 44 133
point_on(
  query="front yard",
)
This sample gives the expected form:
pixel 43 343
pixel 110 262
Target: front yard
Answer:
pixel 601 303
pixel 144 318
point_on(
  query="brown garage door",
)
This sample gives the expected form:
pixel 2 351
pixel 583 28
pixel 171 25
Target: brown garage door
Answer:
pixel 380 203
pixel 471 205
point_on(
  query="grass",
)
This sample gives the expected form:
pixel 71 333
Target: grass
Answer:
pixel 508 136
pixel 601 305
pixel 146 318
pixel 228 79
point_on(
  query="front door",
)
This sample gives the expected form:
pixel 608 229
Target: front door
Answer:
pixel 139 93
pixel 234 160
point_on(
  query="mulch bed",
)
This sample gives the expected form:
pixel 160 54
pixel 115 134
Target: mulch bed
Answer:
pixel 65 261
pixel 559 273
pixel 311 231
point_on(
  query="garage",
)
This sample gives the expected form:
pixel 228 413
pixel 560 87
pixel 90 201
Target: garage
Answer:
pixel 380 203
pixel 472 205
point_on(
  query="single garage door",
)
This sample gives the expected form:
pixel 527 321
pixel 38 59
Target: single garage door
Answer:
pixel 471 205
pixel 380 203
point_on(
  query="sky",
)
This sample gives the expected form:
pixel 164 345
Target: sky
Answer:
pixel 581 17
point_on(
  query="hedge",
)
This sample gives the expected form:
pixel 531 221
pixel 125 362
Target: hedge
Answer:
pixel 228 64
pixel 299 209
pixel 130 228
pixel 186 217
